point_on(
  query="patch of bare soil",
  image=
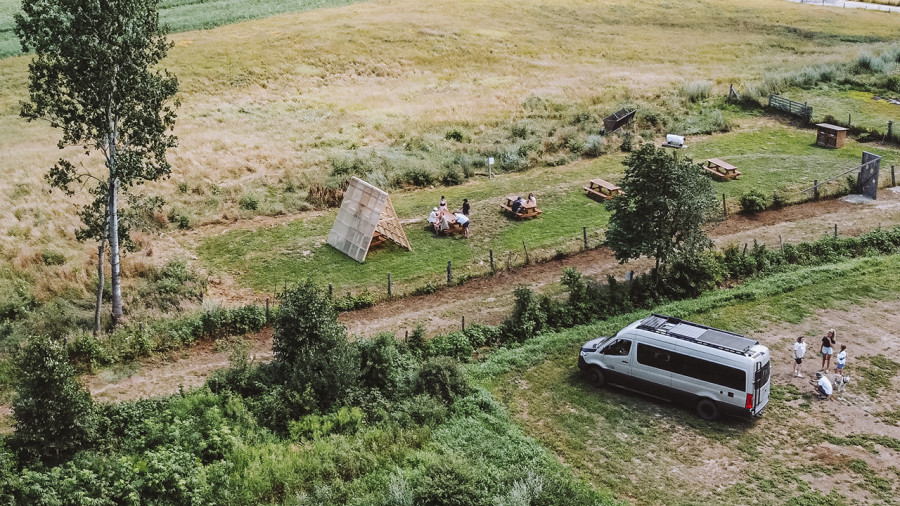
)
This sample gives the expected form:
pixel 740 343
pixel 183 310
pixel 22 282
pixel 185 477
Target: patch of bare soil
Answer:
pixel 483 300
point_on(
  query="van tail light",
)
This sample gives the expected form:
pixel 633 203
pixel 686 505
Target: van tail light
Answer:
pixel 749 401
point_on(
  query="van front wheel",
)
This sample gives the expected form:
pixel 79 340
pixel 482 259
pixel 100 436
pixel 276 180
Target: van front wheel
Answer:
pixel 707 410
pixel 596 377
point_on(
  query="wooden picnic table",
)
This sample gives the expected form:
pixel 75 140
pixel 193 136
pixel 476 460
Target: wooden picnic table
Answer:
pixel 602 189
pixel 722 169
pixel 528 209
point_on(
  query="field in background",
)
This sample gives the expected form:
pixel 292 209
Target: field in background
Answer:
pixel 182 15
pixel 772 157
pixel 268 105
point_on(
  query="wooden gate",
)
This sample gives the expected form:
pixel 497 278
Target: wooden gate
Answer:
pixel 867 180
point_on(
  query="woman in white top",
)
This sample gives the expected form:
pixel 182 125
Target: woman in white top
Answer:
pixel 841 360
pixel 532 199
pixel 799 351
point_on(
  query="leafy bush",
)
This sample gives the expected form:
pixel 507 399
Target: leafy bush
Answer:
pixel 350 302
pixel 443 379
pixel 527 319
pixel 452 177
pixel 53 412
pixel 594 146
pixel 416 342
pixel 417 176
pixel 310 345
pixel 53 258
pixel 454 344
pixel 385 365
pixel 627 142
pixel 455 134
pixel 344 420
pixel 754 201
pixel 249 202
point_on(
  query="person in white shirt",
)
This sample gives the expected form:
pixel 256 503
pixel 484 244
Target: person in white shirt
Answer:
pixel 799 351
pixel 463 221
pixel 532 199
pixel 823 386
pixel 841 360
pixel 433 216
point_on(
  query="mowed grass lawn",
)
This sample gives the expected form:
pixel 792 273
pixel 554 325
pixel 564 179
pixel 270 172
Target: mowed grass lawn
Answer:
pixel 772 158
pixel 652 452
pixel 856 106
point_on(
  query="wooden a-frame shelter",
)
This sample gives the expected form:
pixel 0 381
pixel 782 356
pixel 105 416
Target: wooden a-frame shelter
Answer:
pixel 366 218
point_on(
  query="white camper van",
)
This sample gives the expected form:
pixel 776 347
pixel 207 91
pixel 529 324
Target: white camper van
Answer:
pixel 715 371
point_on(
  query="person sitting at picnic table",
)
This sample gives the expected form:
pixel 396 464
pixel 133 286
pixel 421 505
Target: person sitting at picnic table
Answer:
pixel 442 205
pixel 521 207
pixel 516 204
pixel 532 199
pixel 443 224
pixel 463 221
pixel 433 216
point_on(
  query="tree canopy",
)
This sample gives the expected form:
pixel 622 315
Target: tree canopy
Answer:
pixel 666 203
pixel 95 76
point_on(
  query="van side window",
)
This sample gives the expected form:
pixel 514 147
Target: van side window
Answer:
pixel 694 367
pixel 620 347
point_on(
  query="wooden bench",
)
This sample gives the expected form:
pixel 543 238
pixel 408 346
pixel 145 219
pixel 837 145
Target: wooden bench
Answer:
pixel 528 210
pixel 722 169
pixel 602 189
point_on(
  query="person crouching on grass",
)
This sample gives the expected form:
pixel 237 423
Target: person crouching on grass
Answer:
pixel 799 351
pixel 822 385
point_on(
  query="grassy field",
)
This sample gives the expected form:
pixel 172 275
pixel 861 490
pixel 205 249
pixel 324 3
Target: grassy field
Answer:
pixel 772 158
pixel 654 453
pixel 269 104
pixel 857 106
pixel 183 15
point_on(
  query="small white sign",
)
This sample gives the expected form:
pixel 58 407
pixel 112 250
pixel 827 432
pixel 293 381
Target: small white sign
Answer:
pixel 491 161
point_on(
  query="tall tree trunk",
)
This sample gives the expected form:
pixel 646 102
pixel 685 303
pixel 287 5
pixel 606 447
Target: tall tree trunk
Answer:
pixel 101 248
pixel 114 275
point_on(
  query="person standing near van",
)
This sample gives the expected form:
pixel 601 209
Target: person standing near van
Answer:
pixel 841 360
pixel 799 351
pixel 827 349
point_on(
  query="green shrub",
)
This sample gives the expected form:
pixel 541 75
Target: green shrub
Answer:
pixel 442 378
pixel 249 202
pixel 754 201
pixel 594 146
pixel 417 176
pixel 350 302
pixel 385 365
pixel 454 344
pixel 310 345
pixel 168 286
pixel 87 351
pixel 627 142
pixel 416 342
pixel 527 319
pixel 452 177
pixel 53 258
pixel 455 134
pixel 54 414
pixel 311 427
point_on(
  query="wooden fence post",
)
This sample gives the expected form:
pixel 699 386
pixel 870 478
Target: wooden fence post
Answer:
pixel 526 252
pixel 330 291
pixel 449 272
pixel 835 230
pixel 464 323
pixel 389 285
pixel 781 242
pixel 724 209
pixel 893 181
pixel 584 234
pixel 815 189
pixel 491 252
pixel 267 310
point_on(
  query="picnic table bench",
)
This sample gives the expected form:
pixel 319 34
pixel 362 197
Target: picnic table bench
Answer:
pixel 722 169
pixel 602 189
pixel 528 210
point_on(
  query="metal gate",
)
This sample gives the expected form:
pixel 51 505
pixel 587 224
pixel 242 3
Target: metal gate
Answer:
pixel 867 180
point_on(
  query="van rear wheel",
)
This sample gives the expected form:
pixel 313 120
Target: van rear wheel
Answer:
pixel 596 377
pixel 708 410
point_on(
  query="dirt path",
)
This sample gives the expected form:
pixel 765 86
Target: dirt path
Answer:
pixel 488 300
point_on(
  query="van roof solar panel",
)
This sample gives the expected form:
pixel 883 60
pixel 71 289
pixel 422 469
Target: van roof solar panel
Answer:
pixel 700 334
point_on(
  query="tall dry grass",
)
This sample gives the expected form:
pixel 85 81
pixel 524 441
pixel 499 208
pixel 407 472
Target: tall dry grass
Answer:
pixel 268 103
